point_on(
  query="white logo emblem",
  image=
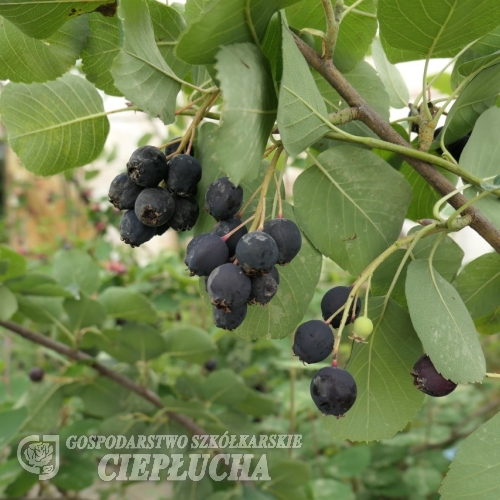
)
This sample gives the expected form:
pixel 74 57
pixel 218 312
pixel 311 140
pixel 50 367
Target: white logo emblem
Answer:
pixel 39 455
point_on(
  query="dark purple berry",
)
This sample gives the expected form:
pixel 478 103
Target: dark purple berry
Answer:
pixel 333 391
pixel 275 274
pixel 154 206
pixel 133 231
pixel 287 236
pixel 333 300
pixel 184 173
pixel 172 148
pixel 185 214
pixel 229 320
pixel 224 227
pixel 160 230
pixel 313 341
pixel 211 365
pixel 264 288
pixel 147 166
pixel 223 199
pixel 228 286
pixel 36 374
pixel 204 253
pixel 427 379
pixel 123 192
pixel 257 253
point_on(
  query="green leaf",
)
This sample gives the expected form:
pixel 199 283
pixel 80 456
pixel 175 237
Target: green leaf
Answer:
pixel 422 481
pixel 101 49
pixel 359 198
pixel 248 112
pixel 189 343
pixel 350 462
pixel 489 324
pixel 326 489
pixel 399 95
pixel 439 29
pixel 40 19
pixel 443 324
pixel 139 70
pixel 75 270
pixel 224 387
pixel 44 403
pixel 77 472
pixel 386 399
pixel 8 303
pixel 54 126
pixel 126 304
pixel 38 284
pixel 84 312
pixel 355 34
pixel 479 95
pixel 16 264
pixel 474 471
pixel 479 285
pixel 25 59
pixel 289 473
pixel 103 398
pixel 300 102
pixel 258 404
pixel 132 343
pixel 193 490
pixel 41 309
pixel 10 423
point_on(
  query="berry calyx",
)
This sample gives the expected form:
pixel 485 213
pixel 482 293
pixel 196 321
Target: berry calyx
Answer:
pixel 333 300
pixel 133 232
pixel 154 206
pixel 333 391
pixel 363 326
pixel 428 380
pixel 184 173
pixel 36 374
pixel 264 288
pixel 229 320
pixel 313 341
pixel 257 253
pixel 223 199
pixel 147 166
pixel 123 192
pixel 204 253
pixel 228 286
pixel 287 236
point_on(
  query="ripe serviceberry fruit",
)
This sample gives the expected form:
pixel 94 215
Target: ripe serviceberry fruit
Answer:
pixel 223 199
pixel 185 214
pixel 147 166
pixel 154 206
pixel 313 341
pixel 211 365
pixel 264 288
pixel 333 300
pixel 133 231
pixel 363 326
pixel 204 253
pixel 229 320
pixel 455 148
pixel 226 226
pixel 228 286
pixel 172 148
pixel 287 236
pixel 333 391
pixel 160 230
pixel 184 172
pixel 257 253
pixel 123 192
pixel 427 379
pixel 275 274
pixel 36 374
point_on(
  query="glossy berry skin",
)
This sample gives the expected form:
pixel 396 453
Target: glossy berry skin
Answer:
pixel 287 236
pixel 147 166
pixel 229 320
pixel 185 214
pixel 427 379
pixel 36 374
pixel 224 227
pixel 333 300
pixel 275 274
pixel 210 365
pixel 172 148
pixel 313 341
pixel 264 288
pixel 228 286
pixel 154 206
pixel 160 230
pixel 133 232
pixel 123 192
pixel 333 391
pixel 184 173
pixel 257 253
pixel 223 199
pixel 204 253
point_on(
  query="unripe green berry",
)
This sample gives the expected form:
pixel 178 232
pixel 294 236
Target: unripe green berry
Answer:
pixel 363 326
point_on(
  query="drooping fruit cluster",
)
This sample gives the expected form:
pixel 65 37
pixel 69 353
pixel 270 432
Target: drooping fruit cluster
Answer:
pixel 157 194
pixel 428 380
pixel 239 267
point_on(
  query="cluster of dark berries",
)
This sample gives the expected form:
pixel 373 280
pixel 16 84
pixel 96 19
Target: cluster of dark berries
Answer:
pixel 239 267
pixel 157 194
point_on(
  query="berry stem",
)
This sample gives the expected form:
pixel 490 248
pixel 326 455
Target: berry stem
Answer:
pixel 278 192
pixel 228 235
pixel 190 105
pixel 333 16
pixel 188 150
pixel 247 204
pixel 493 375
pixel 367 293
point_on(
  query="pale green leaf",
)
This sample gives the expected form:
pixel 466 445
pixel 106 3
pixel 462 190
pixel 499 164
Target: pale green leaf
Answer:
pixel 41 18
pixel 84 312
pixel 8 303
pixel 26 60
pixel 126 304
pixel 75 270
pixel 489 324
pixel 443 324
pixel 359 208
pixel 326 489
pixel 399 95
pixel 10 423
pixel 473 473
pixel 289 474
pixel 387 399
pixel 54 126
pixel 438 29
pixel 139 70
pixel 45 310
pixel 15 264
pixel 224 387
pixel 248 112
pixel 189 343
